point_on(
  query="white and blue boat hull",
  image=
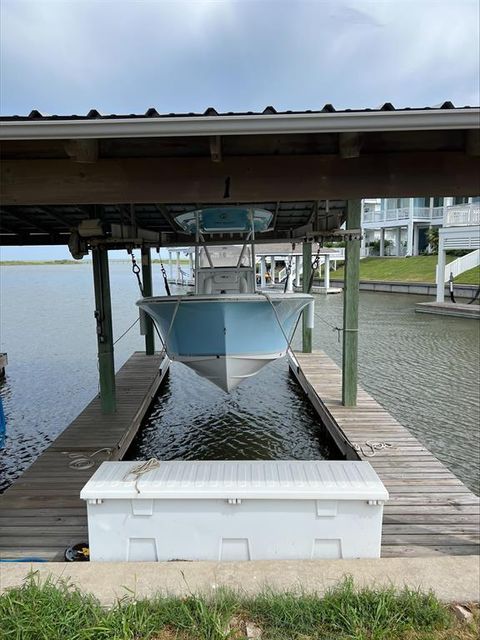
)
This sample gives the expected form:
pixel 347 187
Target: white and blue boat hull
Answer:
pixel 226 338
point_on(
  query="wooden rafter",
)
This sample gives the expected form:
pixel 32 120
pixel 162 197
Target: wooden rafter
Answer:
pixel 166 216
pixel 23 217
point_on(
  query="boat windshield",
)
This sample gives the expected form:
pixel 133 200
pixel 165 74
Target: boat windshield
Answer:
pixel 229 256
pixel 225 219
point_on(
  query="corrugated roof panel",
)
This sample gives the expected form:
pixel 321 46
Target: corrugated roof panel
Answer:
pixel 211 111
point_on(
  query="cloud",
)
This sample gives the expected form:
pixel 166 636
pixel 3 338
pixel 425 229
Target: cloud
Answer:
pixel 121 57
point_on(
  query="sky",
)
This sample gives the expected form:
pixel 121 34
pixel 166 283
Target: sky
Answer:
pixel 124 56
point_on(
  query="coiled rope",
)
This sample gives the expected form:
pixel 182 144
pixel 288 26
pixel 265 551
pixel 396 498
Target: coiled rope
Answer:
pixel 141 469
pixel 373 446
pixel 82 461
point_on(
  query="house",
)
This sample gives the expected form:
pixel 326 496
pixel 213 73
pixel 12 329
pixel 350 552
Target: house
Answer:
pixel 399 226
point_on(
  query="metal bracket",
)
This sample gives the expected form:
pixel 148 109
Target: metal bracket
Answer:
pixel 95 501
pixel 234 501
pixel 337 235
pixel 376 503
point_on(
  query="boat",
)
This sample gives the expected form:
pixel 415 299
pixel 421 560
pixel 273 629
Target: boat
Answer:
pixel 226 330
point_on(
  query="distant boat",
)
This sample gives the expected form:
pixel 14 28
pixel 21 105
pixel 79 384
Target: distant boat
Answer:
pixel 227 331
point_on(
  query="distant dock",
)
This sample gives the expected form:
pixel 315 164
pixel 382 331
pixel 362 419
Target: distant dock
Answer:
pixel 449 309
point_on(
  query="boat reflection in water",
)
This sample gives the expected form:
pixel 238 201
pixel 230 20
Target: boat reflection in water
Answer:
pixel 226 331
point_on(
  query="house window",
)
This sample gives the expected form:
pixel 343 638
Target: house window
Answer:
pixel 438 202
pixel 460 200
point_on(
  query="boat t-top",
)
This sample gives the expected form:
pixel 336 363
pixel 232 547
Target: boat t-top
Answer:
pixel 226 330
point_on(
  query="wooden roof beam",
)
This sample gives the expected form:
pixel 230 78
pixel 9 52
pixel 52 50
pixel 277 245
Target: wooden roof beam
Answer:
pixel 253 178
pixel 58 217
pixel 216 148
pixel 84 151
pixel 472 142
pixel 5 228
pixel 166 216
pixel 29 220
pixel 350 144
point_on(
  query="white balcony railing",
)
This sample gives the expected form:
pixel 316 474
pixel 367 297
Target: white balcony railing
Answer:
pixel 396 215
pixel 462 215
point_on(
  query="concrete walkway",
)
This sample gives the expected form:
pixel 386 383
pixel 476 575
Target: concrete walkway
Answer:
pixel 451 578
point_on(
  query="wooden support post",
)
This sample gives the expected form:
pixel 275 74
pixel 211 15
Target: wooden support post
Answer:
pixel 148 291
pixel 103 315
pixel 350 308
pixel 307 315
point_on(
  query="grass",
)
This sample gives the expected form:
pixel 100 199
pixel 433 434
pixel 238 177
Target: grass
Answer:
pixel 412 269
pixel 472 276
pixel 55 610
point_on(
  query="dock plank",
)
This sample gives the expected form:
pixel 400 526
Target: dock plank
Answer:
pixel 430 511
pixel 41 514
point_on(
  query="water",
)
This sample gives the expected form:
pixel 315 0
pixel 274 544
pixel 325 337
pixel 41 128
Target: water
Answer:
pixel 265 418
pixel 423 369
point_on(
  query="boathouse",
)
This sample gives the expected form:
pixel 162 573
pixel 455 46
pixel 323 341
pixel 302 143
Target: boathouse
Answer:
pixel 125 177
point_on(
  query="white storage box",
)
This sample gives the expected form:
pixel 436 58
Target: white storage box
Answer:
pixel 261 510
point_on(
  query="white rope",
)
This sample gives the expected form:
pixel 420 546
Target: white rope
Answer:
pixel 141 469
pixel 82 461
pixel 374 447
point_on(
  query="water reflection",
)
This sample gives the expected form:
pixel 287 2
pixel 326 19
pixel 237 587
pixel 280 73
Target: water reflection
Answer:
pixel 264 418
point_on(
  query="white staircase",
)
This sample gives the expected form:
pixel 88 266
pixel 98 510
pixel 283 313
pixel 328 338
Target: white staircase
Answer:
pixel 462 264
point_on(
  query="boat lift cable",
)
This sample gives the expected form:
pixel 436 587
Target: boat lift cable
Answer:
pixel 136 271
pixel 475 297
pixel 165 278
pixel 126 331
pixel 331 326
pixel 287 340
pixel 315 265
pixel 164 342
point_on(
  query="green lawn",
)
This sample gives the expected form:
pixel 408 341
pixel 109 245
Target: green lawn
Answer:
pixel 472 276
pixel 54 610
pixel 413 269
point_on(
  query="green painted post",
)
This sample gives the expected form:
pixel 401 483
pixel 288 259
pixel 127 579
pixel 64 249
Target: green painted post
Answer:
pixel 147 291
pixel 103 315
pixel 306 320
pixel 350 308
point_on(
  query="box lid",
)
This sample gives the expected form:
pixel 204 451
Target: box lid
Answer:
pixel 259 479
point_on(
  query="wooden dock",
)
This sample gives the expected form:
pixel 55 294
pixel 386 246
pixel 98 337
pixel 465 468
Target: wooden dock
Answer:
pixel 41 514
pixel 430 511
pixel 458 309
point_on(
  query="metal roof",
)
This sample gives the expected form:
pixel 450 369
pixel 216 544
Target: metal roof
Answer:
pixel 61 169
pixel 211 122
pixel 211 111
